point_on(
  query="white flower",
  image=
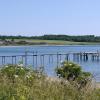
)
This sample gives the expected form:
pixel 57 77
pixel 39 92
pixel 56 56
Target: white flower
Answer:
pixel 20 65
pixel 6 66
pixel 65 64
pixel 70 64
pixel 15 76
pixel 21 68
pixel 28 75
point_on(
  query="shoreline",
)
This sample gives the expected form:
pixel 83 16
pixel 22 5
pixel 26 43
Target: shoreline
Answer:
pixel 50 45
pixel 37 42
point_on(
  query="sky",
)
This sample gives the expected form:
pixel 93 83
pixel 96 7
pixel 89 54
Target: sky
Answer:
pixel 39 17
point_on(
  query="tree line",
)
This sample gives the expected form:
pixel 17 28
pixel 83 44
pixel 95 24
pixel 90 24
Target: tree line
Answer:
pixel 83 38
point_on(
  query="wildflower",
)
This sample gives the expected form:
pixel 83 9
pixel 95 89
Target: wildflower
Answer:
pixel 65 64
pixel 16 76
pixel 70 64
pixel 29 75
pixel 20 65
pixel 21 68
pixel 6 66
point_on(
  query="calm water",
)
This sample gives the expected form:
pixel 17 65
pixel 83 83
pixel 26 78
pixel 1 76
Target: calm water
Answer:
pixel 91 66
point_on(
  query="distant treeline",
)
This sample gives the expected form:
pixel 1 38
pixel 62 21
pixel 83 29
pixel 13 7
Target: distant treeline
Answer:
pixel 83 38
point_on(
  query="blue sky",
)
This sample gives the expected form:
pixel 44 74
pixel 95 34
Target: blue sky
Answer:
pixel 38 17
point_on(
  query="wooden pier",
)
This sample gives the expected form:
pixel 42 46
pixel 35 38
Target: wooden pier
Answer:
pixel 38 59
pixel 86 55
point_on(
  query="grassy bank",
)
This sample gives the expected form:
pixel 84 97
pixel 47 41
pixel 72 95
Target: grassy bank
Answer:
pixel 20 83
pixel 49 42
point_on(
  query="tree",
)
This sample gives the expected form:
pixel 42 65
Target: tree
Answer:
pixel 12 40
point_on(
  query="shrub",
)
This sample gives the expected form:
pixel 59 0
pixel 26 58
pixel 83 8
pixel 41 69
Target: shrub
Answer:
pixel 73 72
pixel 12 70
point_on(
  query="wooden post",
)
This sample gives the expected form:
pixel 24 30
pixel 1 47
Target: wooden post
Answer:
pixel 33 59
pixel 86 57
pixel 15 59
pixel 41 61
pixel 12 60
pixel 57 59
pixel 80 56
pixel 25 58
pixel 66 58
pixel 36 59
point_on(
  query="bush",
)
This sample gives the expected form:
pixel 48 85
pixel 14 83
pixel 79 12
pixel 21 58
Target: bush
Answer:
pixel 14 70
pixel 73 72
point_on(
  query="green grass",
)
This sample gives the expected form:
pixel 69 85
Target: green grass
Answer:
pixel 20 83
pixel 56 42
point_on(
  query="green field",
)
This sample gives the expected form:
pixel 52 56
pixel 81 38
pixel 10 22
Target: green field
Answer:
pixel 55 42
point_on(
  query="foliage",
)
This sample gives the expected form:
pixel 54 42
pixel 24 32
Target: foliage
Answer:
pixel 30 85
pixel 73 72
pixel 83 38
pixel 12 70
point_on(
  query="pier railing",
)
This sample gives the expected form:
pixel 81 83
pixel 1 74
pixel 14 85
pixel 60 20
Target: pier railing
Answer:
pixel 40 59
pixel 33 58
